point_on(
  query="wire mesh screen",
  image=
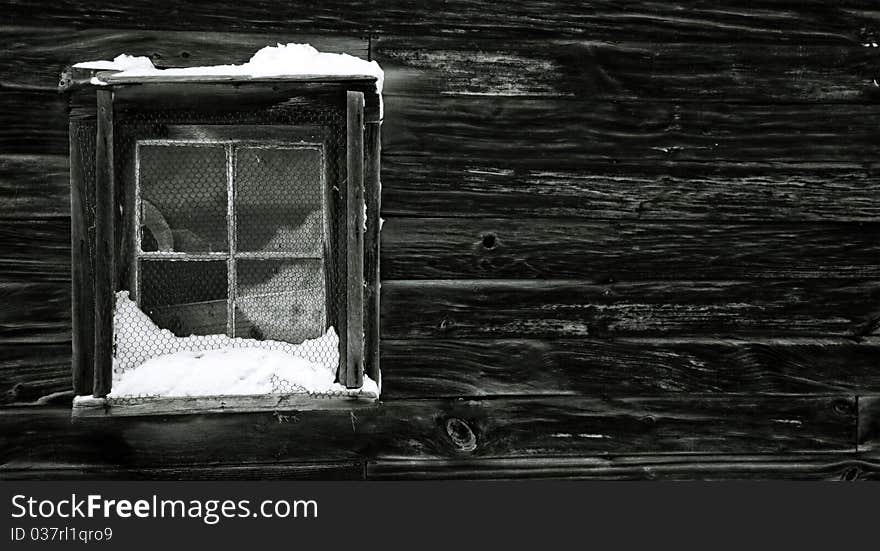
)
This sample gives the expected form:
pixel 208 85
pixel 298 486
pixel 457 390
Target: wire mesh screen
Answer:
pixel 279 200
pixel 183 191
pixel 231 243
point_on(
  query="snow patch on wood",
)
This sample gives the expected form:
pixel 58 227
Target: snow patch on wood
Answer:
pixel 272 61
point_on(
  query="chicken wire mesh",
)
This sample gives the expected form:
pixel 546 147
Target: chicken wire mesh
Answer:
pixel 232 243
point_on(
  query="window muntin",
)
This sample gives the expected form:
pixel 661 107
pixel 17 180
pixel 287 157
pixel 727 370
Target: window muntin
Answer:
pixel 255 213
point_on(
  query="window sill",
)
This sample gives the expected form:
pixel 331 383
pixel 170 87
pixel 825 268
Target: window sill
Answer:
pixel 127 407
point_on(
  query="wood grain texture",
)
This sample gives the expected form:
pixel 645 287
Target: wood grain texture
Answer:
pixel 33 122
pixel 691 467
pixel 423 368
pixel 827 467
pixel 593 70
pixel 81 258
pixel 446 185
pixel 562 133
pixel 36 250
pixel 323 470
pixel 559 309
pixel 536 248
pixel 34 371
pixel 440 429
pixel 765 21
pixel 34 187
pixel 351 369
pixel 34 313
pixel 372 246
pixel 869 424
pixel 420 368
pixel 36 56
pixel 106 245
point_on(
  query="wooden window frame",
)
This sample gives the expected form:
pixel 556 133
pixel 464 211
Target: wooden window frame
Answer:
pixel 362 147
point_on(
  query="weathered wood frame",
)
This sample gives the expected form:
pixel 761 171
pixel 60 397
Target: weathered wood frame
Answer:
pixel 352 376
pixel 361 195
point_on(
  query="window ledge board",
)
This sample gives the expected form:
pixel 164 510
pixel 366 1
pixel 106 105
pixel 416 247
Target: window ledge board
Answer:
pixel 102 407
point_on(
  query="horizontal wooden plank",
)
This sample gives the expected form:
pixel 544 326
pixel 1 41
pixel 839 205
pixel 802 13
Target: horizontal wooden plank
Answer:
pixel 328 470
pixel 33 122
pixel 34 186
pixel 591 70
pixel 422 368
pixel 560 309
pixel 470 248
pixel 768 21
pixel 29 373
pixel 566 133
pixel 552 132
pixel 187 405
pixel 413 185
pixel 36 250
pixel 34 313
pixel 37 55
pixel 424 429
pixel 842 467
pixel 486 367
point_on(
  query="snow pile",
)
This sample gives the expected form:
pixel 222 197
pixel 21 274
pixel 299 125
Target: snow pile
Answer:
pixel 137 339
pixel 121 62
pixel 272 61
pixel 218 365
pixel 231 372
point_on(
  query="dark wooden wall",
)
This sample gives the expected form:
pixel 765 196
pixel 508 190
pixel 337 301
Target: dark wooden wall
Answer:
pixel 622 239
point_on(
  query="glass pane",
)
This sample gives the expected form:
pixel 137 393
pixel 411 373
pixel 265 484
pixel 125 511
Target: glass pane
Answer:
pixel 279 200
pixel 281 300
pixel 183 192
pixel 186 297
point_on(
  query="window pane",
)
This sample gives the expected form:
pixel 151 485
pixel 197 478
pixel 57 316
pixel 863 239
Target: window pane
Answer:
pixel 279 200
pixel 186 297
pixel 280 299
pixel 183 198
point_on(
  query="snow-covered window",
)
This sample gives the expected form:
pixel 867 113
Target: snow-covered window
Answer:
pixel 228 230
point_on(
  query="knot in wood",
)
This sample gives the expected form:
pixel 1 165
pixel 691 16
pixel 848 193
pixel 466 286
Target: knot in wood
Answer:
pixel 461 435
pixel 843 408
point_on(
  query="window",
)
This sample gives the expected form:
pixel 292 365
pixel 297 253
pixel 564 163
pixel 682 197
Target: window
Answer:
pixel 235 246
pixel 233 239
